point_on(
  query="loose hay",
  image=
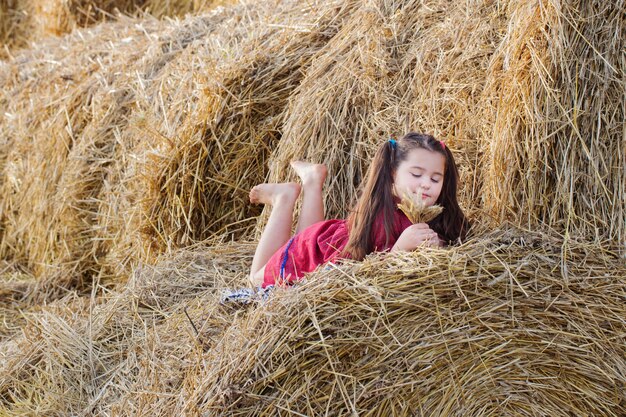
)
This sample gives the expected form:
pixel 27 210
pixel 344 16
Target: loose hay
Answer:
pixel 27 21
pixel 557 149
pixel 68 138
pixel 504 324
pixel 393 67
pixel 56 17
pixel 78 355
pixel 198 184
pixel 121 143
pixel 157 130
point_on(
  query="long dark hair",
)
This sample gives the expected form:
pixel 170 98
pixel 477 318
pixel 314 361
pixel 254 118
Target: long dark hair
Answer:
pixel 377 196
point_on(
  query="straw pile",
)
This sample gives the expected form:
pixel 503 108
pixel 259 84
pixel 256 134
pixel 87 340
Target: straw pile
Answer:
pixel 394 67
pixel 97 348
pixel 26 21
pixel 560 88
pixel 528 94
pixel 11 23
pixel 55 17
pixel 158 130
pixel 125 143
pixel 58 130
pixel 152 144
pixel 505 324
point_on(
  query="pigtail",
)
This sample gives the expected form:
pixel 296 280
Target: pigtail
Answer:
pixel 375 197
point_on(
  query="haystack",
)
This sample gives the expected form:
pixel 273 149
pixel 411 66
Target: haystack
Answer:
pixel 126 179
pixel 61 118
pixel 199 182
pixel 394 67
pixel 56 17
pixel 505 324
pixel 78 355
pixel 26 21
pixel 556 150
pixel 528 95
pixel 123 144
pixel 206 104
pixel 11 26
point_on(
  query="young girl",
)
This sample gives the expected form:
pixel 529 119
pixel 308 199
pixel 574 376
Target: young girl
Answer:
pixel 415 162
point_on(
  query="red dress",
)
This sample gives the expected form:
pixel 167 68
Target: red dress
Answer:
pixel 322 242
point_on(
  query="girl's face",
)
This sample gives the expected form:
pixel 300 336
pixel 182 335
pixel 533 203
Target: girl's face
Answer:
pixel 421 170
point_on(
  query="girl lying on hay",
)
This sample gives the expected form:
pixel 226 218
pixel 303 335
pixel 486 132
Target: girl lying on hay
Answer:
pixel 417 164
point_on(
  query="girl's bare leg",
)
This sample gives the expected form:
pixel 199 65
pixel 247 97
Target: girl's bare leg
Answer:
pixel 312 177
pixel 282 197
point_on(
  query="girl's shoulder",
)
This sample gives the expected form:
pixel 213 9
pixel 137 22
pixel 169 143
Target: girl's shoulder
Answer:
pixel 379 234
pixel 400 220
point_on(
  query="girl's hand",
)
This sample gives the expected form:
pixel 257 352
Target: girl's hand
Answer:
pixel 416 235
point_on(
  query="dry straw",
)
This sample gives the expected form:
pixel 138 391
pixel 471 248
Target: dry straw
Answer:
pixel 63 130
pixel 16 26
pixel 556 150
pixel 504 324
pixel 134 138
pixel 393 67
pixel 154 132
pixel 150 144
pixel 26 21
pixel 414 207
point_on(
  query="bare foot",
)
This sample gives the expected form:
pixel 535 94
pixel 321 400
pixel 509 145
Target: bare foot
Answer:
pixel 310 174
pixel 274 193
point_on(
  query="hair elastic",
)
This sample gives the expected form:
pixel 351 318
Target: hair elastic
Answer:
pixel 443 145
pixel 393 143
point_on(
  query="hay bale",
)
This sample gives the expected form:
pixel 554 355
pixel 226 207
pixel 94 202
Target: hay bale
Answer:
pixel 133 138
pixel 26 21
pixel 390 69
pixel 198 184
pixel 146 155
pixel 14 26
pixel 57 17
pixel 60 123
pixel 504 324
pixel 497 81
pixel 556 150
pixel 81 354
pixel 154 137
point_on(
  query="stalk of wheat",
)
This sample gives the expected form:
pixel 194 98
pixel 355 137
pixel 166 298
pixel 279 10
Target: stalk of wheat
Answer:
pixel 415 209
